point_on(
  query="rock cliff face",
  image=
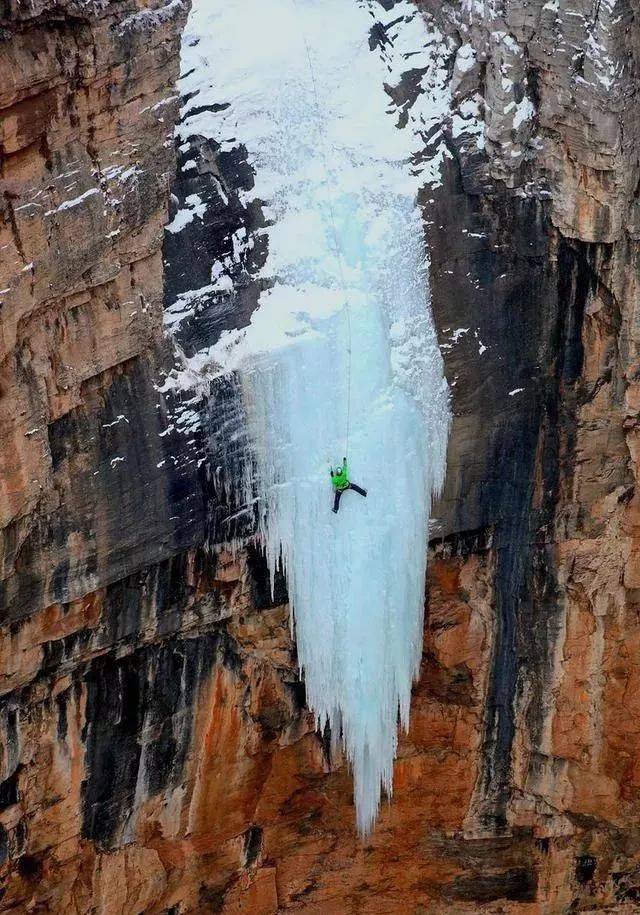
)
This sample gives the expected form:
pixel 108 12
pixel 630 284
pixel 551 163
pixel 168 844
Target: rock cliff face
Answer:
pixel 156 755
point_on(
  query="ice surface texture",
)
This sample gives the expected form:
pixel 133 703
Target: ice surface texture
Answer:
pixel 344 327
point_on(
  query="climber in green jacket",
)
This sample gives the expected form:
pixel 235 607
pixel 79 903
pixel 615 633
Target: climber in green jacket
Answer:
pixel 341 482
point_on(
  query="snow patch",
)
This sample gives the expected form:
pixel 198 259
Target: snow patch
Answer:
pixel 151 18
pixel 70 204
pixel 465 58
pixel 194 207
pixel 525 111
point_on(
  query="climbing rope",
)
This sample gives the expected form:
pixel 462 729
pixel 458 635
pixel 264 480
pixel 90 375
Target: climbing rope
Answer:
pixel 334 230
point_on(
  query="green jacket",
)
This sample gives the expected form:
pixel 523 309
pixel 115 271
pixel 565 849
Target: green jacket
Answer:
pixel 340 477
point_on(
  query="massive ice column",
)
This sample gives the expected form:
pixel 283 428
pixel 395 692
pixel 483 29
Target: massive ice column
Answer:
pixel 340 356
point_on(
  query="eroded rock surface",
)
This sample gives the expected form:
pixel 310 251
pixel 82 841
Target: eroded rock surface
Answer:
pixel 156 754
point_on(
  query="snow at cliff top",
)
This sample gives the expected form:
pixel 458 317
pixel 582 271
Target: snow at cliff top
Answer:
pixel 341 356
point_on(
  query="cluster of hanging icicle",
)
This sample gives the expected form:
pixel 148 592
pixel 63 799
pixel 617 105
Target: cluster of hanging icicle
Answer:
pixel 341 353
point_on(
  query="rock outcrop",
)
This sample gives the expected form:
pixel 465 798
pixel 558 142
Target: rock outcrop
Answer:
pixel 156 754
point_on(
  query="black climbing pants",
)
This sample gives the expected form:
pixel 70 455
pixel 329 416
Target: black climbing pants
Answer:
pixel 336 498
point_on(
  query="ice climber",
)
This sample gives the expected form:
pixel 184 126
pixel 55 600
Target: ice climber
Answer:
pixel 341 482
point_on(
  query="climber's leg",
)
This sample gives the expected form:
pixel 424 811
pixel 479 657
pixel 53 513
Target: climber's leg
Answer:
pixel 336 500
pixel 358 489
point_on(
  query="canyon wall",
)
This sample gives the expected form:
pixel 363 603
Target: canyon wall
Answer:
pixel 156 753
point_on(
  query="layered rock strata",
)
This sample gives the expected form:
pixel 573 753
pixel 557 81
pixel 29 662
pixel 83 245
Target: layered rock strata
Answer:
pixel 156 752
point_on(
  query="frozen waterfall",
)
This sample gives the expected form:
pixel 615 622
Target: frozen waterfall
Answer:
pixel 343 326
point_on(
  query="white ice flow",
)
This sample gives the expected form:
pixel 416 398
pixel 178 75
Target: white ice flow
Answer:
pixel 341 355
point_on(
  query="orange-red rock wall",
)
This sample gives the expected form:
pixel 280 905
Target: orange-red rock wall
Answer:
pixel 156 755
